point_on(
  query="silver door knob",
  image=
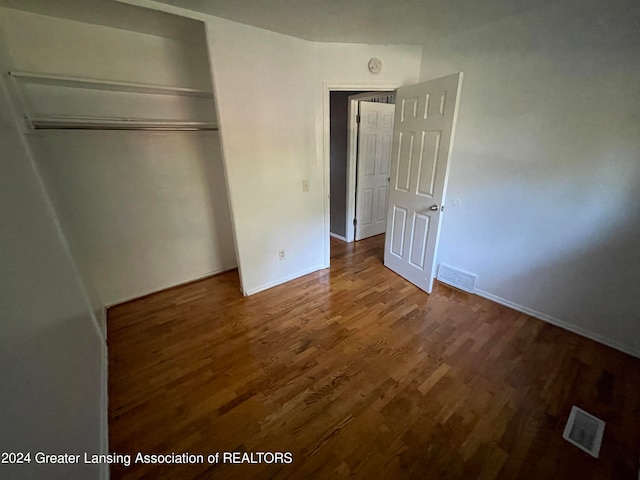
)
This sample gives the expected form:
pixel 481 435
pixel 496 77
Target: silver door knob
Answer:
pixel 433 207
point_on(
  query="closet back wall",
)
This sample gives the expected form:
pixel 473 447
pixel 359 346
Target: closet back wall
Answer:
pixel 142 210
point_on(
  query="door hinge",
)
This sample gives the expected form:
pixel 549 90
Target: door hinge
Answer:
pixel 357 118
pixel 355 222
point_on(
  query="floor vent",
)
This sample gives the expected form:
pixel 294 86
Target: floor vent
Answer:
pixel 457 278
pixel 584 431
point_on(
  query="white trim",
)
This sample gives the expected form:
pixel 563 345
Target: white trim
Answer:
pixel 163 7
pixel 327 88
pixel 559 323
pixel 323 148
pixel 104 412
pixel 352 162
pixel 339 237
pixel 101 316
pixel 161 289
pixel 286 279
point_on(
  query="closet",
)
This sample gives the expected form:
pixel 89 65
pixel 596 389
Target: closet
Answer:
pixel 117 109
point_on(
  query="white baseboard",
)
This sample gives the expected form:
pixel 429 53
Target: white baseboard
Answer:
pixel 280 281
pixel 104 413
pixel 559 323
pixel 339 237
pixel 101 316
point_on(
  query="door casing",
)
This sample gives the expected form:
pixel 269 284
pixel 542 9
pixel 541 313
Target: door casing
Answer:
pixel 327 88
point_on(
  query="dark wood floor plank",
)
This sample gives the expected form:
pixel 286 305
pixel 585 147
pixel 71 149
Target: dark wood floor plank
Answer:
pixel 360 375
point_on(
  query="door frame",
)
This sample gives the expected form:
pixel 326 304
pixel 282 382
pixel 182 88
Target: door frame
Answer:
pixel 325 141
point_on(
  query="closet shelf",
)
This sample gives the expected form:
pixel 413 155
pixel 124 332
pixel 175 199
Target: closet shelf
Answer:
pixel 79 82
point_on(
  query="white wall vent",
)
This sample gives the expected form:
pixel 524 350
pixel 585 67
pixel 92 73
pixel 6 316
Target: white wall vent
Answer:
pixel 584 431
pixel 457 278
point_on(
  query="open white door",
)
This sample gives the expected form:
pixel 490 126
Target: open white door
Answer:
pixel 374 159
pixel 425 118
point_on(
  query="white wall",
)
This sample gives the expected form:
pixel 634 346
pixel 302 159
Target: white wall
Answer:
pixel 272 104
pixel 143 211
pixel 47 44
pixel 545 159
pixel 270 94
pixel 267 117
pixel 346 64
pixel 149 210
pixel 343 66
pixel 546 163
pixel 52 357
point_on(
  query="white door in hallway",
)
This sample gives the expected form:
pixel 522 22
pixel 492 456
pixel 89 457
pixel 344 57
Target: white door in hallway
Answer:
pixel 425 117
pixel 373 169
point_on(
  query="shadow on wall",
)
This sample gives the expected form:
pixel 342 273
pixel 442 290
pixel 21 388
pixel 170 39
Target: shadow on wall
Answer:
pixel 215 184
pixel 573 236
pixel 145 210
pixel 594 285
pixel 547 163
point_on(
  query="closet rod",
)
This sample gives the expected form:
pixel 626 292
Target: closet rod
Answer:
pixel 125 127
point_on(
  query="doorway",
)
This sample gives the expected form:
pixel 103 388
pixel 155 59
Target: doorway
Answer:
pixel 426 114
pixel 345 171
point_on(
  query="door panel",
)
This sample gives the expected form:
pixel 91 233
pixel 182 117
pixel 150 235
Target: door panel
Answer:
pixel 423 134
pixel 383 195
pixel 428 164
pixel 398 227
pixel 374 160
pixel 369 157
pixel 405 154
pixel 367 207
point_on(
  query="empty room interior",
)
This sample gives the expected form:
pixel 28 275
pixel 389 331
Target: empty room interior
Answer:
pixel 192 282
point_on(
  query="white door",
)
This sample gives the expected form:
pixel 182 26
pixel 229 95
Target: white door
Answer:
pixel 374 160
pixel 424 125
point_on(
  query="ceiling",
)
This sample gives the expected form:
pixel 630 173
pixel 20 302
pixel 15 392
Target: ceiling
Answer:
pixel 363 21
pixel 113 14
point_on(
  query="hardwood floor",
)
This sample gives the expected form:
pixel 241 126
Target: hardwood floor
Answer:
pixel 359 374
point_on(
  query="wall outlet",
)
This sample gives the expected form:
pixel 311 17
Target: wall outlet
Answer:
pixel 281 254
pixel 305 185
